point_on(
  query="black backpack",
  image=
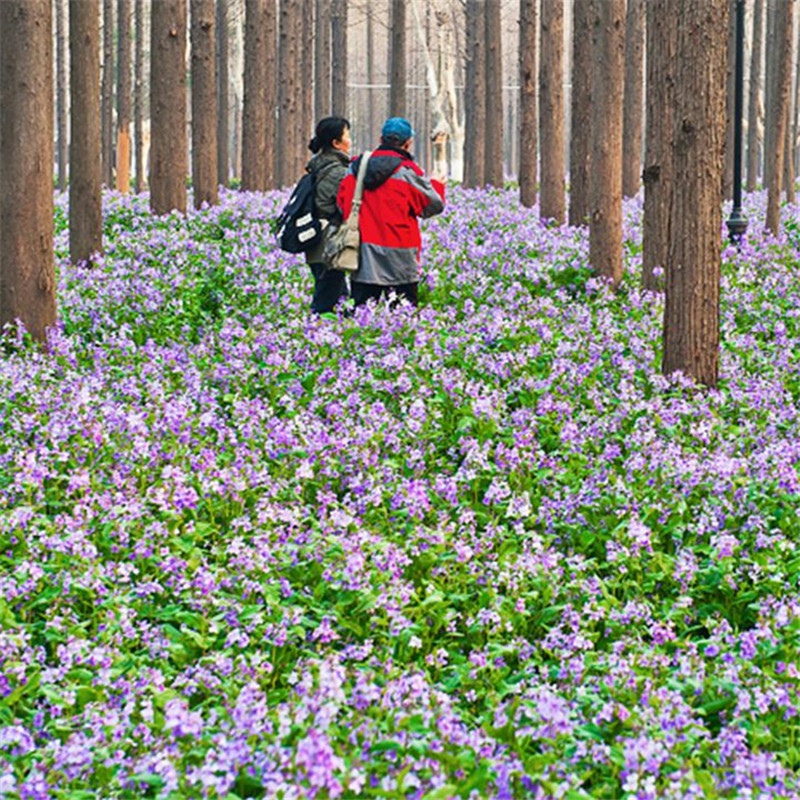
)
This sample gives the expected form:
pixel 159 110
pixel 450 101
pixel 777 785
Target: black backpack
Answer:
pixel 298 228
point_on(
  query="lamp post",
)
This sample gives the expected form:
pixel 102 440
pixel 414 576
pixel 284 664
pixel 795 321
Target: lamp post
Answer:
pixel 737 222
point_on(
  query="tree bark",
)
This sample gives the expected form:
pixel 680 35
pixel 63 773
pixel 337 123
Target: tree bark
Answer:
pixel 691 315
pixel 62 137
pixel 204 104
pixel 753 117
pixel 168 151
pixel 730 98
pixel 788 160
pixel 107 109
pixel 475 98
pixel 339 57
pixel 658 173
pixel 139 99
pixel 27 263
pixel 289 143
pixel 397 60
pixel 779 112
pixel 86 180
pixel 494 94
pixel 580 145
pixel 124 96
pixel 260 24
pixel 633 121
pixel 322 60
pixel 529 122
pixel 551 113
pixel 223 159
pixel 605 228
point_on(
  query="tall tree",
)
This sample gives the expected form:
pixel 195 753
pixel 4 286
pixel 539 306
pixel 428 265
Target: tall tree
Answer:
pixel 528 133
pixel 61 94
pixel 779 110
pixel 339 57
pixel 753 118
pixel 658 173
pixel 27 263
pixel 168 150
pixel 691 314
pixel 107 108
pixel 223 160
pixel 730 89
pixel 124 96
pixel 494 93
pixel 290 107
pixel 633 119
pixel 86 180
pixel 580 143
pixel 204 104
pixel 259 26
pixel 551 112
pixel 605 227
pixel 306 79
pixel 397 60
pixel 475 97
pixel 138 98
pixel 322 59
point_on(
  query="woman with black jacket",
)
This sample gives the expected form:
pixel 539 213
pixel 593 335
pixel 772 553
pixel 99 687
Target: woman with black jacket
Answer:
pixel 331 146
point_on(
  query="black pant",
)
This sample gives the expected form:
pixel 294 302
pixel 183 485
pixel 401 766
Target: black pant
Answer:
pixel 362 292
pixel 329 286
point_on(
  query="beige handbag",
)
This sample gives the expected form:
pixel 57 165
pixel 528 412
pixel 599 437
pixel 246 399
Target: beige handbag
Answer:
pixel 343 245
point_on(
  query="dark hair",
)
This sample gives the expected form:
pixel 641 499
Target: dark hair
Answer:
pixel 328 131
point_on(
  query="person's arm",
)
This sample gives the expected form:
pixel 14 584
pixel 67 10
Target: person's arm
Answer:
pixel 326 190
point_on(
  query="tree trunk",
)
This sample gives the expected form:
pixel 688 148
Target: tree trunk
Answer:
pixel 204 104
pixel 307 79
pixel 289 93
pixel 223 160
pixel 634 95
pixel 730 98
pixel 528 128
pixel 691 314
pixel 168 151
pixel 779 112
pixel 580 145
pixel 27 263
pixel 370 33
pixel 322 60
pixel 397 60
pixel 788 160
pixel 475 98
pixel 108 93
pixel 605 228
pixel 139 99
pixel 124 96
pixel 658 174
pixel 339 57
pixel 86 180
pixel 61 94
pixel 259 26
pixel 551 112
pixel 494 94
pixel 753 118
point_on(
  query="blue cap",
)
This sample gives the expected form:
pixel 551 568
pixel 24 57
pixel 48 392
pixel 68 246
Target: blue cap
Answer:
pixel 397 129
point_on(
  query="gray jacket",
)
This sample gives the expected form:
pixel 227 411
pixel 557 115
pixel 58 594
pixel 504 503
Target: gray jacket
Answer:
pixel 328 168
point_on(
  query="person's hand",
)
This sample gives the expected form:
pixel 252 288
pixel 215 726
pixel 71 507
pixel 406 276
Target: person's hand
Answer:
pixel 439 137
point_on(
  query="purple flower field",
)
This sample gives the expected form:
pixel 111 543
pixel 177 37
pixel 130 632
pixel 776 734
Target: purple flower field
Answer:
pixel 483 550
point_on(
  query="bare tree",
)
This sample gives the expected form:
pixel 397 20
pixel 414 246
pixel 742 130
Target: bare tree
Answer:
pixel 139 98
pixel 223 160
pixel 168 151
pixel 658 174
pixel 475 97
pixel 27 264
pixel 260 22
pixel 204 104
pixel 605 228
pixel 633 119
pixel 494 94
pixel 322 60
pixel 107 107
pixel 61 93
pixel 397 60
pixel 691 314
pixel 339 57
pixel 86 179
pixel 580 145
pixel 124 96
pixel 551 112
pixel 290 144
pixel 753 117
pixel 529 122
pixel 730 87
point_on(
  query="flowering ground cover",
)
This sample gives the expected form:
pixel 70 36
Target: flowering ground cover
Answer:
pixel 481 550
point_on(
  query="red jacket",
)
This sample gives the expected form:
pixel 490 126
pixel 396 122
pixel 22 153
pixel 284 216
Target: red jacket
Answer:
pixel 396 193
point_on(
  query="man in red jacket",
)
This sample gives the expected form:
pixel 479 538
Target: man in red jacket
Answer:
pixel 396 193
